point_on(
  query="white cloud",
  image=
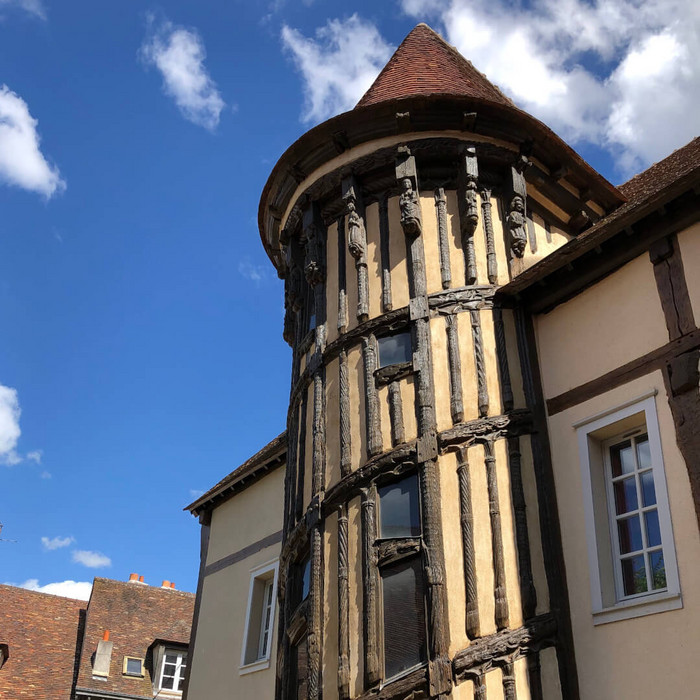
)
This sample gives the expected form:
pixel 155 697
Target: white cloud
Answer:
pixel 9 425
pixel 35 456
pixel 196 493
pixel 252 272
pixel 56 542
pixel 621 74
pixel 33 7
pixel 69 589
pixel 45 475
pixel 21 161
pixel 179 55
pixel 338 66
pixel 93 560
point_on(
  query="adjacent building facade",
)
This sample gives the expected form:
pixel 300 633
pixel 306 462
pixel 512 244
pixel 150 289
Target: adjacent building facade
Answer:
pixel 489 485
pixel 128 642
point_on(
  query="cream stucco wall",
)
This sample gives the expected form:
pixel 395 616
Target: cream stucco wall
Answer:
pixel 643 657
pixel 689 243
pixel 612 323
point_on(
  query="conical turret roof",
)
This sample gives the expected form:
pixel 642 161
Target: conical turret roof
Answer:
pixel 425 64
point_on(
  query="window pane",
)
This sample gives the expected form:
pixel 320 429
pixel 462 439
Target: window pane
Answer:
pixel 133 666
pixel 399 513
pixel 625 495
pixel 404 616
pixel 648 490
pixel 630 533
pixel 622 458
pixel 394 349
pixel 168 682
pixel 658 570
pixel 643 452
pixel 653 530
pixel 306 579
pixel 634 575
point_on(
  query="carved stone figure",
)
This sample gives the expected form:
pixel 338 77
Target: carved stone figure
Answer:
pixel 516 224
pixel 471 213
pixel 410 209
pixel 313 268
pixel 357 239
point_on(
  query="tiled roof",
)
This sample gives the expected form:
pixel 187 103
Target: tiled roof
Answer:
pixel 41 631
pixel 424 64
pixel 663 173
pixel 135 615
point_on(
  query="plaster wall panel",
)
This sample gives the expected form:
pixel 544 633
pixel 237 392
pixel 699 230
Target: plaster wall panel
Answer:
pixel 357 665
pixel 492 381
pixel 350 283
pixel 516 376
pixel 222 618
pixel 609 665
pixel 454 240
pixel 235 523
pixel 397 256
pixel 441 373
pixel 408 398
pixel 374 260
pixel 332 422
pixel 551 686
pixel 588 327
pixel 332 283
pixel 329 656
pixel 309 449
pixel 466 350
pixel 431 242
pixel 356 383
pixel 689 243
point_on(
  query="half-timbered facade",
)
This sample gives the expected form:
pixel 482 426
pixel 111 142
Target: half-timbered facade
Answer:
pixel 467 301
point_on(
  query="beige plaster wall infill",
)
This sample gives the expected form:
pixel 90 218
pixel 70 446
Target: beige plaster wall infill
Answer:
pixel 431 242
pixel 454 560
pixel 611 658
pixel 330 608
pixel 333 422
pixel 332 282
pixel 514 368
pixel 236 523
pixel 470 394
pixel 357 664
pixel 351 290
pixel 454 241
pixel 499 240
pixel 222 618
pixel 356 379
pixel 441 373
pixel 309 445
pixel 551 685
pixel 384 416
pixel 607 325
pixel 400 294
pixel 374 260
pixel 493 384
pixel 689 244
pixel 548 204
pixel 408 402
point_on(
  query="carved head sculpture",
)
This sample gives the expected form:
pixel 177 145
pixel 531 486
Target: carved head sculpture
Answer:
pixel 356 232
pixel 518 204
pixel 410 211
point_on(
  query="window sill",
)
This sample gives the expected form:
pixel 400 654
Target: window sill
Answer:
pixel 260 665
pixel 638 607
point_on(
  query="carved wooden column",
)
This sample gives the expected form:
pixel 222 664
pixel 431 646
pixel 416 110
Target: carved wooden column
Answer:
pixel 468 210
pixel 396 414
pixel 315 614
pixel 491 259
pixel 439 666
pixel 345 435
pixel 499 570
pixel 441 210
pixel 369 566
pixel 518 210
pixel 455 366
pixel 384 240
pixel 480 363
pixel 509 692
pixel 357 242
pixel 468 554
pixel 374 433
pixel 343 606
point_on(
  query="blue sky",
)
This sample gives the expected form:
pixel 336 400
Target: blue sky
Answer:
pixel 141 355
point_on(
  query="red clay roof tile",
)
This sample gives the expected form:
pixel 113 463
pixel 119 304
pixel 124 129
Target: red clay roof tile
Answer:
pixel 425 64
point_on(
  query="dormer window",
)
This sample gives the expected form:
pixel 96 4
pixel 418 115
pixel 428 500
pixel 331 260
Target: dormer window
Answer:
pixel 172 671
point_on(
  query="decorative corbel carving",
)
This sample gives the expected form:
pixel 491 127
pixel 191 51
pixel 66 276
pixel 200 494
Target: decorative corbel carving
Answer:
pixel 357 242
pixel 409 203
pixel 313 245
pixel 469 209
pixel 517 213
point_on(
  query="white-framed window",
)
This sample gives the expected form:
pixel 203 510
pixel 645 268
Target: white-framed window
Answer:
pixel 172 671
pixel 260 618
pixel 628 520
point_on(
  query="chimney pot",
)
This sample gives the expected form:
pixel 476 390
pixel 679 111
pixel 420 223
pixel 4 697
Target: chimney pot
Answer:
pixel 172 584
pixel 105 636
pixel 166 584
pixel 141 579
pixel 133 577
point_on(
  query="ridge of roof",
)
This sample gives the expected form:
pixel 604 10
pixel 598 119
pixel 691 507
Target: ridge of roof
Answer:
pixel 425 64
pixel 248 468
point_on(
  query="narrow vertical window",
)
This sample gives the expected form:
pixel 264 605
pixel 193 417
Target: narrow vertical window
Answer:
pixel 634 518
pixel 399 511
pixel 257 640
pixel 395 349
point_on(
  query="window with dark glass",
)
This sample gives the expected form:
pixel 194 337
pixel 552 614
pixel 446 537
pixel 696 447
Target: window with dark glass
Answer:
pixel 401 574
pixel 395 349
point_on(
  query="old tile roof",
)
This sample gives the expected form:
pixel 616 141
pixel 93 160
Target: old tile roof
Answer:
pixel 41 631
pixel 657 177
pixel 136 615
pixel 425 64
